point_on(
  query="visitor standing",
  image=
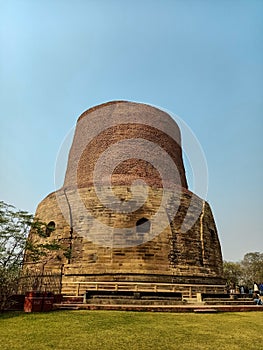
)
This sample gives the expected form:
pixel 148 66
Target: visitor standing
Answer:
pixel 255 287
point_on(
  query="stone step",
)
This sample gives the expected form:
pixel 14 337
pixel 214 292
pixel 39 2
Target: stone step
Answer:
pixel 205 311
pixel 229 302
pixel 129 301
pixel 192 301
pixel 228 299
pixel 132 297
pixel 68 307
pixel 164 308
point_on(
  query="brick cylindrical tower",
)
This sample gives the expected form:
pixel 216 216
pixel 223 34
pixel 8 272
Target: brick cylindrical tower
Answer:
pixel 125 212
pixel 103 126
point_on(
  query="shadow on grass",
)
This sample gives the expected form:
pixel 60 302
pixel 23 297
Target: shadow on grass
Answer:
pixel 10 314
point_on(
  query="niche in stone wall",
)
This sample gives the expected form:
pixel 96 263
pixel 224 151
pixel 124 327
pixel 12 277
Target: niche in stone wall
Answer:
pixel 143 226
pixel 50 228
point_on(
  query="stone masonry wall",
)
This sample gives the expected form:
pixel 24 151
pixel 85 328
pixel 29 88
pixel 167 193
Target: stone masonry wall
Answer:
pixel 170 254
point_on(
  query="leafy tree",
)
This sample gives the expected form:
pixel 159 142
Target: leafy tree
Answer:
pixel 246 271
pixel 232 272
pixel 252 268
pixel 14 226
pixel 14 229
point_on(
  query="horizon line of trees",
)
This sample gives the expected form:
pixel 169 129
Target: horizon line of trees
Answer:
pixel 244 272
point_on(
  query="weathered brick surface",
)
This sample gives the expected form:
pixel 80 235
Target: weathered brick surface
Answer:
pixel 99 128
pixel 185 250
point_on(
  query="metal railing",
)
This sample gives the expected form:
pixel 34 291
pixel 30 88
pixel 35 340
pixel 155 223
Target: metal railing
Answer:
pixel 187 290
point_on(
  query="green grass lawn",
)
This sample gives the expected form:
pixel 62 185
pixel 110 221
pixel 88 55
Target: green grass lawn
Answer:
pixel 106 330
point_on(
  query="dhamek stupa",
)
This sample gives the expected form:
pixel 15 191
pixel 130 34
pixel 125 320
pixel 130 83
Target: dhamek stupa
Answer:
pixel 124 212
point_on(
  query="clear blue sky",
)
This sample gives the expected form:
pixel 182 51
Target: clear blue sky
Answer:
pixel 202 60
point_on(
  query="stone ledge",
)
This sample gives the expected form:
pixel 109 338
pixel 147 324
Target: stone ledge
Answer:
pixel 159 308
